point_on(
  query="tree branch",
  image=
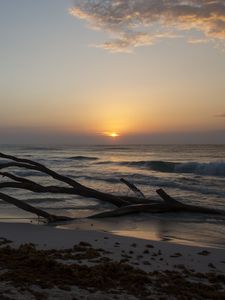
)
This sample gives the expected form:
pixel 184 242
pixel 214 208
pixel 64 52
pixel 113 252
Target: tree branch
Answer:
pixel 31 209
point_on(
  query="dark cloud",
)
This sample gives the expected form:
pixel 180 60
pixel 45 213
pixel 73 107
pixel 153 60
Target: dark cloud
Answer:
pixel 135 23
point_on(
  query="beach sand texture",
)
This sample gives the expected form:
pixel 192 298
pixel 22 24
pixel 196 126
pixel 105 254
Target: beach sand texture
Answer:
pixel 43 262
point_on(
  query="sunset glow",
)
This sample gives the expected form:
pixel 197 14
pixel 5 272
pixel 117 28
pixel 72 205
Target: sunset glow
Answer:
pixel 166 84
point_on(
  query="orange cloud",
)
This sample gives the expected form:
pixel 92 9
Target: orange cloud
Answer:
pixel 134 23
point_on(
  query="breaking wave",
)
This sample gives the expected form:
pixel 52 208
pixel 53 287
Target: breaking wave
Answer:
pixel 154 181
pixel 209 169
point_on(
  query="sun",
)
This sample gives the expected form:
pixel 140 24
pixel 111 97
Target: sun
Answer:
pixel 113 134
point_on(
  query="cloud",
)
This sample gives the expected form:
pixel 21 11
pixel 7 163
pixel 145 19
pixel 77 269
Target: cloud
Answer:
pixel 220 115
pixel 125 42
pixel 134 23
pixel 193 40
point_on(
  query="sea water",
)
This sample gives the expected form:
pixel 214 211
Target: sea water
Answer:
pixel 192 174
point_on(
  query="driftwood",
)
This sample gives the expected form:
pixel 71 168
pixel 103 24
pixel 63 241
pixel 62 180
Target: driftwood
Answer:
pixel 23 205
pixel 125 205
pixel 169 205
pixel 78 188
pixel 133 188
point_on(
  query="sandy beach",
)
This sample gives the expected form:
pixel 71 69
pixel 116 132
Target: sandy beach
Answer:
pixel 43 262
pixel 112 150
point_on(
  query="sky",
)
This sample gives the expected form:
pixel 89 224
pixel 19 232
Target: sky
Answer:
pixel 112 71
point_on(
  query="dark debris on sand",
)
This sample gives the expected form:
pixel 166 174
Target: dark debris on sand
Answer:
pixel 27 266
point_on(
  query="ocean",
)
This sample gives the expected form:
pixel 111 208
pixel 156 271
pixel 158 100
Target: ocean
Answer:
pixel 192 174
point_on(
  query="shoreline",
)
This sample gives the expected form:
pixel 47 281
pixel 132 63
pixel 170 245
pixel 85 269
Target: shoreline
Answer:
pixel 148 256
pixel 49 237
pixel 151 233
